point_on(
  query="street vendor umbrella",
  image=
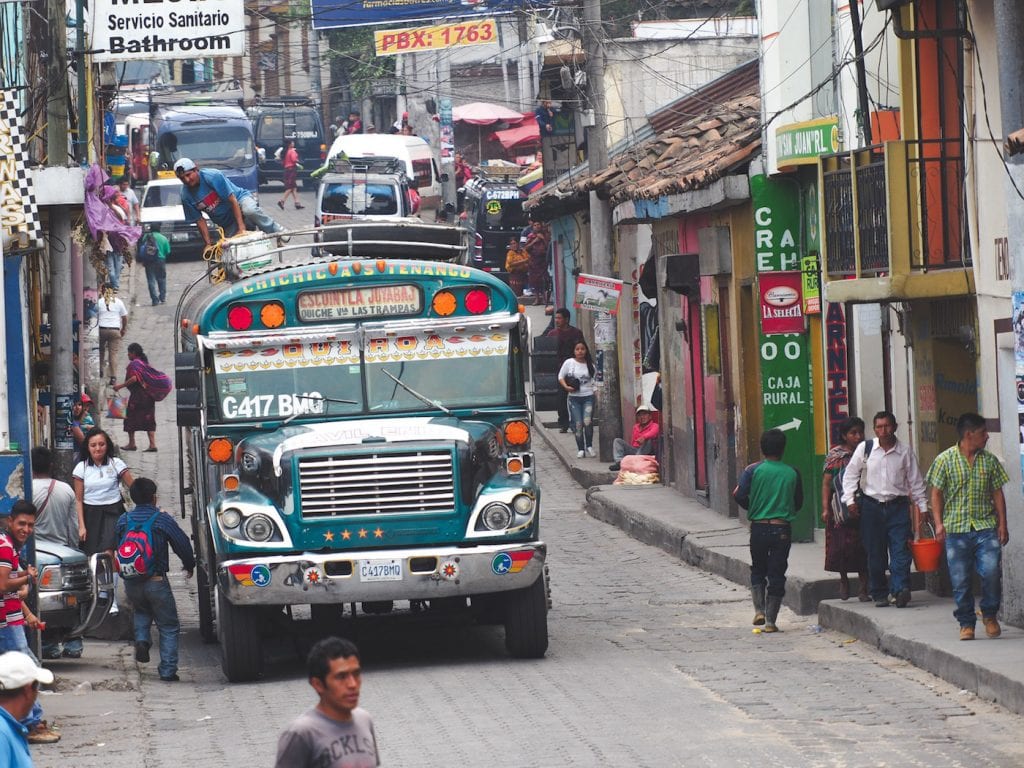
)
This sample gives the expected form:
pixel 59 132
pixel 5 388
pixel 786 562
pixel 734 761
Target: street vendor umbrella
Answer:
pixel 481 113
pixel 484 113
pixel 523 135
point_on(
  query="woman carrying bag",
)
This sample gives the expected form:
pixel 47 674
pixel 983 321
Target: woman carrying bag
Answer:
pixel 576 376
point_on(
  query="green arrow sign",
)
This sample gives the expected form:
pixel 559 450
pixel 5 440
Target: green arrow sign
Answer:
pixel 785 358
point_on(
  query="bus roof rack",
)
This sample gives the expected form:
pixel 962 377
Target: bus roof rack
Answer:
pixel 283 101
pixel 344 164
pixel 499 172
pixel 410 238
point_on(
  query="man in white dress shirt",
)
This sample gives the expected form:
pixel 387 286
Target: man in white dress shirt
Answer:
pixel 886 485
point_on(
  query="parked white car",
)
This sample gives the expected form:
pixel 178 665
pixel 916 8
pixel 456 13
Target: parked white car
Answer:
pixel 161 210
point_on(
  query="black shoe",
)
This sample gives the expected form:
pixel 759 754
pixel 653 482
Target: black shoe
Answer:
pixel 903 598
pixel 142 653
pixel 172 678
pixel 71 654
pixel 883 603
pixel 563 430
pixel 614 467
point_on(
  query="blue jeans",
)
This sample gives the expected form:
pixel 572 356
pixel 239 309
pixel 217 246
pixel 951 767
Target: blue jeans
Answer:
pixel 51 645
pixel 885 531
pixel 967 552
pixel 153 600
pixel 114 263
pixel 254 216
pixel 769 556
pixel 12 638
pixel 156 278
pixel 581 412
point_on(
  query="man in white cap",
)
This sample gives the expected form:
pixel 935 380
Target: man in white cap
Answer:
pixel 229 206
pixel 19 688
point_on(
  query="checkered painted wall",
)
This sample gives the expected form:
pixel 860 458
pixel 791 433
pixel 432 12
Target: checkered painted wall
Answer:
pixel 18 212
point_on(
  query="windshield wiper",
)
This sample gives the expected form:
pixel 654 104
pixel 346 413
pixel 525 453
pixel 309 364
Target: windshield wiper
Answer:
pixel 422 398
pixel 322 399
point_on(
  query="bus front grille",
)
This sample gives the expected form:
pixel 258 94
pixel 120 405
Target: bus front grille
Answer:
pixel 376 483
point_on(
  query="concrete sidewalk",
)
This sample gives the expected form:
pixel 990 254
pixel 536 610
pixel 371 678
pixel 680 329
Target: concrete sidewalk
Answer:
pixel 925 633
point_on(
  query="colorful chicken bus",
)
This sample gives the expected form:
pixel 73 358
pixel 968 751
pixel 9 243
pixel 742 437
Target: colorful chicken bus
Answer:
pixel 356 434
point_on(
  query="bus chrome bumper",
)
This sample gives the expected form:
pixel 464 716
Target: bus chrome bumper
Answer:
pixel 390 574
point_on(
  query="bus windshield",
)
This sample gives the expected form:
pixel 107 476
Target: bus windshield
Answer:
pixel 325 378
pixel 212 146
pixel 451 369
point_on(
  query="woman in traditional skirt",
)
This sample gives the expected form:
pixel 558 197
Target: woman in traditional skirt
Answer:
pixel 844 552
pixel 140 415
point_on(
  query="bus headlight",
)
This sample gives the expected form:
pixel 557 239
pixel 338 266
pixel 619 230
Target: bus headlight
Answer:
pixel 522 504
pixel 496 517
pixel 259 528
pixel 230 518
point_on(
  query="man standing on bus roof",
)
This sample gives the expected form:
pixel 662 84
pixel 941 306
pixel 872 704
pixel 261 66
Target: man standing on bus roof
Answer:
pixel 229 206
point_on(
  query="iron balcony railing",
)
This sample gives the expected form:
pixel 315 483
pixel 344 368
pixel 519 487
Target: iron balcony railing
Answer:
pixel 895 208
pixel 376 483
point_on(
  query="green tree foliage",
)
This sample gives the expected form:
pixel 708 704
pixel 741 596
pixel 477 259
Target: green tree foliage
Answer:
pixel 354 65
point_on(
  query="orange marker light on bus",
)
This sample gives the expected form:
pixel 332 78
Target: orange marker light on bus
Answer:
pixel 357 267
pixel 444 303
pixel 477 301
pixel 517 433
pixel 195 329
pixel 333 268
pixel 514 466
pixel 381 264
pixel 219 450
pixel 239 318
pixel 231 482
pixel 272 314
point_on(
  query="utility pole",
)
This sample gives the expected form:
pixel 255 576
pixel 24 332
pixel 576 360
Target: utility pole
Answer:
pixel 61 313
pixel 605 335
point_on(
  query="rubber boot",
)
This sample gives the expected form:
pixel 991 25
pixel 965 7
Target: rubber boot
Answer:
pixel 758 594
pixel 771 613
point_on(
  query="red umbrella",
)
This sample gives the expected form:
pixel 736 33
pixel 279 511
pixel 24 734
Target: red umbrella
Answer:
pixel 521 136
pixel 483 113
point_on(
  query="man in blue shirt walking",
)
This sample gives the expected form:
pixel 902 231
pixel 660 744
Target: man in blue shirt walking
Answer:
pixel 19 688
pixel 229 206
pixel 151 595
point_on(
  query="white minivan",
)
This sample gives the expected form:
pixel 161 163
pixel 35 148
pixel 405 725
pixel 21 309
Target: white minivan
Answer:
pixel 420 165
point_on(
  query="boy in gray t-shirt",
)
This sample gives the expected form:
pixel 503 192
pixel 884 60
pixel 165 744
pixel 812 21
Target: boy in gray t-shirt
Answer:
pixel 335 733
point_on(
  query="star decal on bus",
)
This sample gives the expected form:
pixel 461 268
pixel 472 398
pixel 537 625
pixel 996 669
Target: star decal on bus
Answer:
pixel 362 533
pixel 328 535
pixel 378 533
pixel 346 535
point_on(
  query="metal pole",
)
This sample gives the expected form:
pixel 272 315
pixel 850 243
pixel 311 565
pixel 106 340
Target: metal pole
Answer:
pixel 82 139
pixel 605 342
pixel 862 78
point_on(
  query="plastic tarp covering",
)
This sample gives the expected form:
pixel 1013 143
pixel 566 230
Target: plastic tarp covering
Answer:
pixel 99 216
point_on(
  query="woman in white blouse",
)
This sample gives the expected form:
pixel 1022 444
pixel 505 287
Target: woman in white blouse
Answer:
pixel 97 480
pixel 576 376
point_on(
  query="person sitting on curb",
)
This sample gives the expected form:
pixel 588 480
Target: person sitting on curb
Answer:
pixel 643 442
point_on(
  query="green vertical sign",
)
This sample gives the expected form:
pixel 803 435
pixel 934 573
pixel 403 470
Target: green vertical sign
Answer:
pixel 785 358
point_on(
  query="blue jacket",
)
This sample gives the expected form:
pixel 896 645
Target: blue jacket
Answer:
pixel 13 742
pixel 165 531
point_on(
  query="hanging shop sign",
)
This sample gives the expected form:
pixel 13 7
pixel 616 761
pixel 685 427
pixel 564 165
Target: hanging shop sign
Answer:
pixel 19 215
pixel 598 293
pixel 390 42
pixel 328 14
pixel 781 302
pixel 803 143
pixel 167 29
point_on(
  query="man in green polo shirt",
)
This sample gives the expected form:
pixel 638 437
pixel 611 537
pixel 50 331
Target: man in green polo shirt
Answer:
pixel 969 512
pixel 771 492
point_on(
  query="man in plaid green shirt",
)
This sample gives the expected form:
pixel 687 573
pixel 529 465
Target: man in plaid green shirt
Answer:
pixel 969 513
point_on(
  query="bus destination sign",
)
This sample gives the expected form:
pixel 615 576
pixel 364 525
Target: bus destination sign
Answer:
pixel 356 303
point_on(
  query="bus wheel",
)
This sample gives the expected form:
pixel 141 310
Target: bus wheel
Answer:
pixel 526 621
pixel 204 597
pixel 240 646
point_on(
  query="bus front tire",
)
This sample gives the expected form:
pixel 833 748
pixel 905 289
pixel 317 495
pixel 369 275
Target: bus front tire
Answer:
pixel 241 648
pixel 526 621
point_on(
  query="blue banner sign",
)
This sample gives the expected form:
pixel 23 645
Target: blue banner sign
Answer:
pixel 329 15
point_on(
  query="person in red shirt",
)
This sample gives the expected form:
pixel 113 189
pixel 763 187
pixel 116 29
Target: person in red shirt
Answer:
pixel 290 164
pixel 643 442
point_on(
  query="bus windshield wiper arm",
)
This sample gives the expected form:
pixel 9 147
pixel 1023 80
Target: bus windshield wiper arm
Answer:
pixel 422 398
pixel 321 399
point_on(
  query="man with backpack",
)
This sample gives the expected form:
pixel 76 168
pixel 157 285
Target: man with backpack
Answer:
pixel 152 253
pixel 143 561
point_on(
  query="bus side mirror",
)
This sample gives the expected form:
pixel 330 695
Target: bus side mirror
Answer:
pixel 187 366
